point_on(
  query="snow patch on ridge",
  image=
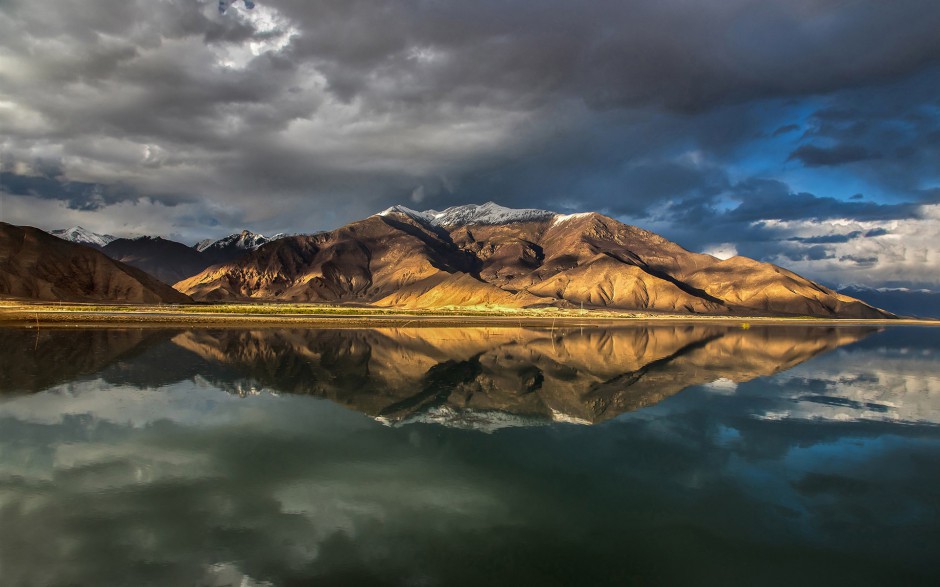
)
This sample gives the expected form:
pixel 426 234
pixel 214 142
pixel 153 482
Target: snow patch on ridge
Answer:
pixel 567 419
pixel 244 240
pixel 82 236
pixel 419 216
pixel 488 213
pixel 560 218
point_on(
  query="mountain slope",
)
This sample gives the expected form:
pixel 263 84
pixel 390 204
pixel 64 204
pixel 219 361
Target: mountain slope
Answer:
pixel 364 261
pixel 171 261
pixel 37 265
pixel 490 255
pixel 168 261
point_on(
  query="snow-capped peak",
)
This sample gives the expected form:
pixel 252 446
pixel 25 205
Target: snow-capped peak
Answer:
pixel 244 240
pixel 488 213
pixel 419 216
pixel 82 236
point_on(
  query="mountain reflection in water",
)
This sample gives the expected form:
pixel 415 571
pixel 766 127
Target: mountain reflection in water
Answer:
pixel 467 377
pixel 775 455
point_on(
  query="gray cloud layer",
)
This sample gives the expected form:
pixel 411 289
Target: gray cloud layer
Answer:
pixel 169 117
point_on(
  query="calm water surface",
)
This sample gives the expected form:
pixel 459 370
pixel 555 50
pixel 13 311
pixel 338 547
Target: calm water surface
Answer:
pixel 679 454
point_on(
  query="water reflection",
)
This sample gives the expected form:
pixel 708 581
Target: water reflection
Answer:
pixel 475 377
pixel 200 458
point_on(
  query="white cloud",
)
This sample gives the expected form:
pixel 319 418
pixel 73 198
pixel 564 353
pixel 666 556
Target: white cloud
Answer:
pixel 722 250
pixel 186 222
pixel 902 250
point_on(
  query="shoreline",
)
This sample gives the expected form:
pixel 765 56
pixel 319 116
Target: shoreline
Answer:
pixel 52 315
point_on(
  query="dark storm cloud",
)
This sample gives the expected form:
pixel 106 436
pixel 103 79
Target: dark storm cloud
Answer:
pixel 894 128
pixel 763 199
pixel 815 156
pixel 77 195
pixel 864 261
pixel 298 116
pixel 786 129
pixel 827 239
pixel 839 238
pixel 615 54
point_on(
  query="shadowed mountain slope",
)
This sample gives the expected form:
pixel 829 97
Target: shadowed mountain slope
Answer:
pixel 494 256
pixel 167 260
pixel 36 265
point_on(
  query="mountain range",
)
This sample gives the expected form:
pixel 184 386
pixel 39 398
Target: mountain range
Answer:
pixel 167 260
pixel 479 255
pixel 490 255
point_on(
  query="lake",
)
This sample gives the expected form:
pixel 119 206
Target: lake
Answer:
pixel 649 454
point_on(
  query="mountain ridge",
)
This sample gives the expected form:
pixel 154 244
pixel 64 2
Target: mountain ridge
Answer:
pixel 83 236
pixel 489 255
pixel 245 240
pixel 166 259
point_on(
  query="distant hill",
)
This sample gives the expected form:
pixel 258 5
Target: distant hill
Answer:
pixel 902 301
pixel 491 255
pixel 167 260
pixel 36 265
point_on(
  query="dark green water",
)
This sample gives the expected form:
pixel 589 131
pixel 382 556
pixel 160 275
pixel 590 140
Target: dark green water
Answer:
pixel 680 454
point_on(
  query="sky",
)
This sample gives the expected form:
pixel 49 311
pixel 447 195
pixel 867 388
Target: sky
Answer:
pixel 801 132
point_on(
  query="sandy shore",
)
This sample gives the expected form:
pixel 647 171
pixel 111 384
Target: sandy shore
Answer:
pixel 317 316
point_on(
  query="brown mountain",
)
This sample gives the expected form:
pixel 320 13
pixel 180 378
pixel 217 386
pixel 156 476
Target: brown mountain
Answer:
pixel 36 265
pixel 167 260
pixel 490 255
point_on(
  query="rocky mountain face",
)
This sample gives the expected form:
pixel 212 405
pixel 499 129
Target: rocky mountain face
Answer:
pixel 36 265
pixel 490 255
